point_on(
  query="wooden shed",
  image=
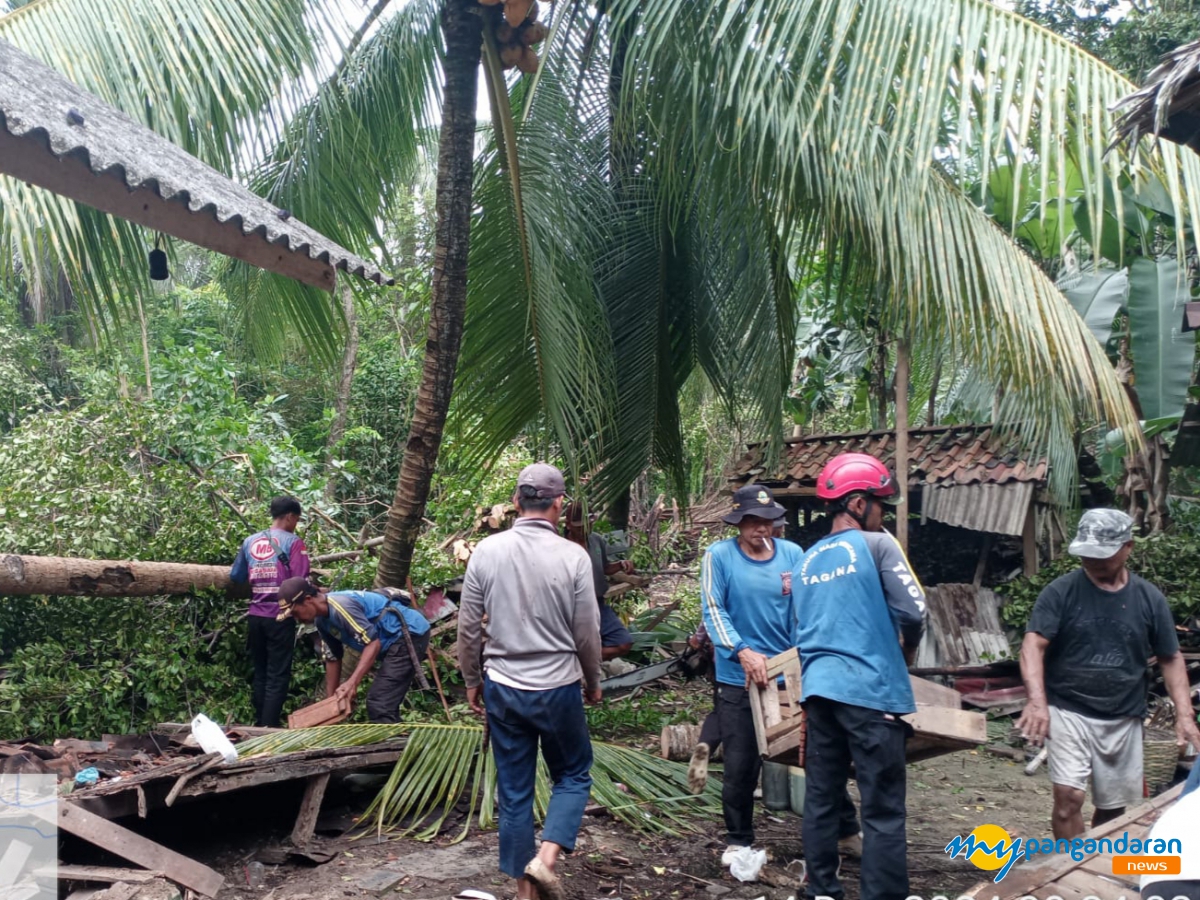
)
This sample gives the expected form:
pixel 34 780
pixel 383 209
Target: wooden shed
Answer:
pixel 973 497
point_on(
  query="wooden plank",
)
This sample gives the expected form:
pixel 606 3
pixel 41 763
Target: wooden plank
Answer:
pixel 1091 884
pixel 954 724
pixel 220 782
pixel 756 713
pixel 1029 541
pixel 1103 866
pixel 310 809
pixel 102 874
pixel 146 853
pixel 779 663
pixel 1070 887
pixel 932 694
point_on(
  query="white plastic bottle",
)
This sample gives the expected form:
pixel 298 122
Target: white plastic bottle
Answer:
pixel 211 738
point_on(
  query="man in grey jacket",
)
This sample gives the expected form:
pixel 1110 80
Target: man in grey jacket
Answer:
pixel 543 639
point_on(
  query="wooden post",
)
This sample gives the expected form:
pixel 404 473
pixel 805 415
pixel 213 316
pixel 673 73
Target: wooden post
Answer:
pixel 310 808
pixel 1029 540
pixel 902 355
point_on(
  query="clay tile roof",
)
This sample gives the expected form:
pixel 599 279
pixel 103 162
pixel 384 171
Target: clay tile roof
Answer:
pixel 945 454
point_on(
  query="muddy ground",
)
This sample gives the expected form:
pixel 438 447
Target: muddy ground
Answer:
pixel 947 796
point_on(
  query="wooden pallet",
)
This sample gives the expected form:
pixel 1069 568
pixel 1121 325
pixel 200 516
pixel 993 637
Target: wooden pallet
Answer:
pixel 939 725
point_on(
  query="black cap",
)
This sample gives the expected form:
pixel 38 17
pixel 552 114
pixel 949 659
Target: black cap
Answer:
pixel 753 500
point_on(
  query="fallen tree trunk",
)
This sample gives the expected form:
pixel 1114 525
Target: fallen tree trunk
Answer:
pixel 25 575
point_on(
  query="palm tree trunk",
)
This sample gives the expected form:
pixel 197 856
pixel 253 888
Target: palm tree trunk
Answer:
pixel 462 27
pixel 341 403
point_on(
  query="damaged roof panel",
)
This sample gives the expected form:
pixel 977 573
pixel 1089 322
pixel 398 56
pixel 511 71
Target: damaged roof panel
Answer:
pixel 59 137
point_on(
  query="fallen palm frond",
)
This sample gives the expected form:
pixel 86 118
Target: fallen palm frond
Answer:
pixel 441 768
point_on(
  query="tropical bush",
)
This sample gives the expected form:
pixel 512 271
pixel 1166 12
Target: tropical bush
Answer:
pixel 1169 560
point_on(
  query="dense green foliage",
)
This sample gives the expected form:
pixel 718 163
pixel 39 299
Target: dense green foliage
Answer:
pixel 1171 561
pixel 92 466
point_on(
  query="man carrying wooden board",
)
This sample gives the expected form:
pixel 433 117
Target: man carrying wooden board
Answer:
pixel 379 626
pixel 749 611
pixel 860 612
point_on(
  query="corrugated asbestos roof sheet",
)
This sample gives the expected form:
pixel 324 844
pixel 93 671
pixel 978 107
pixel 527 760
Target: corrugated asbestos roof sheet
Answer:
pixel 942 455
pixel 996 508
pixel 58 136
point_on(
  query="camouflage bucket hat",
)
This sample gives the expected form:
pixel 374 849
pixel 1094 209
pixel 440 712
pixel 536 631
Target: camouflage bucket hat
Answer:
pixel 1101 533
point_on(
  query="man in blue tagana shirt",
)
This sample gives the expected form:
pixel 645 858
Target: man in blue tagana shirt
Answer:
pixel 861 613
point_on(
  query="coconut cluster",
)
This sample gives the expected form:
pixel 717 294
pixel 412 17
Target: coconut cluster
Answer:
pixel 515 25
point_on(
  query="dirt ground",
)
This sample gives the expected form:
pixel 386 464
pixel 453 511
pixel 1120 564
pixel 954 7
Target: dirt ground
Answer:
pixel 946 796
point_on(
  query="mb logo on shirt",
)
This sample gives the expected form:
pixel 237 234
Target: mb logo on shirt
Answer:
pixel 262 549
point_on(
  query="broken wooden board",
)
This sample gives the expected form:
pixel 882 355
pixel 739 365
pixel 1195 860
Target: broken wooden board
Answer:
pixel 940 725
pixel 329 711
pixel 776 708
pixel 137 849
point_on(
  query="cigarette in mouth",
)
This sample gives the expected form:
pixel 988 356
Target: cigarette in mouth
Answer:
pixel 766 544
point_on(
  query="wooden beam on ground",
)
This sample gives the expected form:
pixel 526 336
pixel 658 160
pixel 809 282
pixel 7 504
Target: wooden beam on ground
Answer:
pixel 129 845
pixel 103 874
pixel 310 809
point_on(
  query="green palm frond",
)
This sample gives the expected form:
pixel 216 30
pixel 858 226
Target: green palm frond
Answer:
pixel 838 110
pixel 536 346
pixel 441 767
pixel 344 161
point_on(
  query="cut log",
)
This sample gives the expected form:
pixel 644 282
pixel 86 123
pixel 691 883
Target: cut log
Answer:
pixel 678 742
pixel 25 575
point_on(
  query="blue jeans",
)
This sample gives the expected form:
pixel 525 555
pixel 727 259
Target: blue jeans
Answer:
pixel 518 721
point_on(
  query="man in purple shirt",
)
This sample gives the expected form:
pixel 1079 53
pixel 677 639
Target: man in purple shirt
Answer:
pixel 265 560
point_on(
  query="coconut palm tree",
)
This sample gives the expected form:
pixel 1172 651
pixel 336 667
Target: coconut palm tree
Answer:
pixel 646 201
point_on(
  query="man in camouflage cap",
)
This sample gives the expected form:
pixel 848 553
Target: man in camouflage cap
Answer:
pixel 1084 665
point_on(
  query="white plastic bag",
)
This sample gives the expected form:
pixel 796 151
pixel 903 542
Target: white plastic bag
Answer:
pixel 747 863
pixel 211 738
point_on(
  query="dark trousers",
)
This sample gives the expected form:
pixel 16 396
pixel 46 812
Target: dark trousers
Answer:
pixel 742 763
pixel 839 734
pixel 710 728
pixel 271 646
pixel 393 677
pixel 520 720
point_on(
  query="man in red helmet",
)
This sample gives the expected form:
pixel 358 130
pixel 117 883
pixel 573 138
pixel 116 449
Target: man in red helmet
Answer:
pixel 860 614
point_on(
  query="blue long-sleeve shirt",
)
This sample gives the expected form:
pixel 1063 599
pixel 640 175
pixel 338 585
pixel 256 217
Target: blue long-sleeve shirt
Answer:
pixel 856 595
pixel 748 603
pixel 356 618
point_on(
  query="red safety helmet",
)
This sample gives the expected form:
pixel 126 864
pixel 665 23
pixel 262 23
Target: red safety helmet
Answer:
pixel 848 473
